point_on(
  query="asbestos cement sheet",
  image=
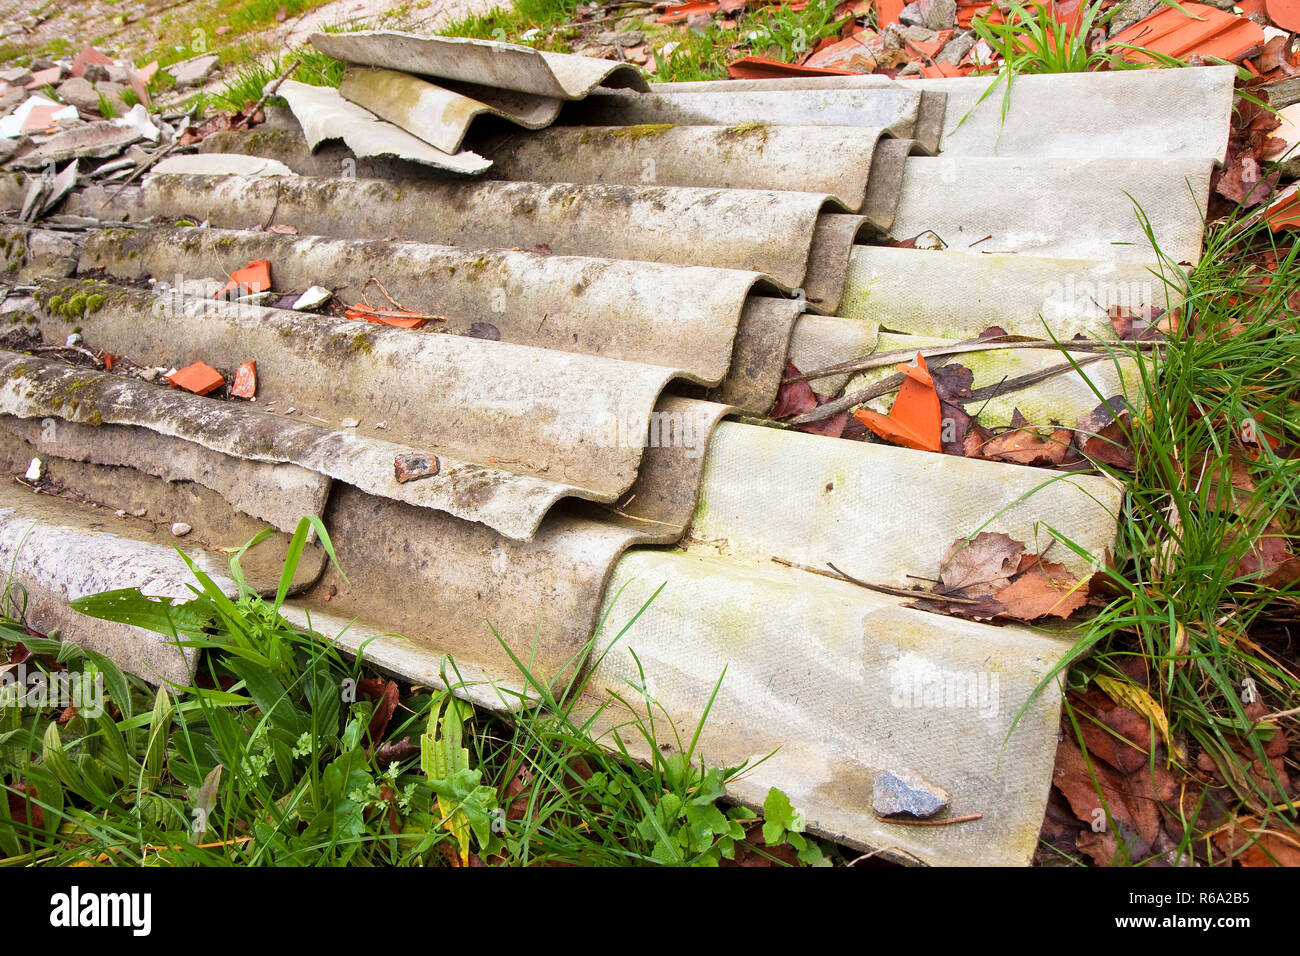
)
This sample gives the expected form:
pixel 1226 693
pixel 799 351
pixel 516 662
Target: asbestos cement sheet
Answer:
pixel 760 231
pixel 828 684
pixel 58 552
pixel 326 115
pixel 822 159
pixel 678 318
pixel 1157 114
pixel 956 295
pixel 439 116
pixel 508 66
pixel 892 109
pixel 1077 209
pixel 809 499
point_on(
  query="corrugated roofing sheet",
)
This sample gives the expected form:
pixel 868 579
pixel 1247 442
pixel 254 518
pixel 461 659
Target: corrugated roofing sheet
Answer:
pixel 604 300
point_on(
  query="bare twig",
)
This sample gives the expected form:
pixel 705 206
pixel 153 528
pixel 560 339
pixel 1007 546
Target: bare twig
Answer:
pixel 838 575
pixel 269 91
pixel 881 359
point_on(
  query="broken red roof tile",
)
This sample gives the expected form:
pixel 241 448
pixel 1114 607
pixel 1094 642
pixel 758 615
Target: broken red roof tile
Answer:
pixel 245 381
pixel 198 378
pixel 1209 33
pixel 88 56
pixel 857 54
pixel 684 11
pixel 1284 213
pixel 941 70
pixel 398 317
pixel 887 12
pixel 1068 12
pixel 967 12
pixel 254 277
pixel 761 68
pixel 914 421
pixel 1285 13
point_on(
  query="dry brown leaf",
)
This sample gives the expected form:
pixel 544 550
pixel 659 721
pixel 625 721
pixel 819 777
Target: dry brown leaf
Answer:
pixel 980 566
pixel 1042 589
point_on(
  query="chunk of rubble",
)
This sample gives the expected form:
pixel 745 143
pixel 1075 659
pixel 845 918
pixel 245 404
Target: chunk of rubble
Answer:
pixel 36 114
pixel 313 298
pixel 193 72
pixel 81 93
pixel 138 119
pixel 903 792
pixel 92 141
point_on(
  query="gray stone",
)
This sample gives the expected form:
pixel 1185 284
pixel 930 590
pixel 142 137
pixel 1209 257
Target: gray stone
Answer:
pixel 80 93
pixel 955 50
pixel 120 72
pixel 10 99
pixel 902 791
pixel 16 76
pixel 41 63
pixel 614 38
pixel 941 14
pixel 918 34
pixel 934 14
pixel 1131 11
pixel 95 72
pixel 113 91
pixel 193 72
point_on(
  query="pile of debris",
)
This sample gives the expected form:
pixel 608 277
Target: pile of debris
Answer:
pixel 937 38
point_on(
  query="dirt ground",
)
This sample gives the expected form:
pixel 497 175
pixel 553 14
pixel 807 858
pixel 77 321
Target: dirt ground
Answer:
pixel 146 30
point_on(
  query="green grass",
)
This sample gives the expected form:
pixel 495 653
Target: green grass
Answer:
pixel 1204 630
pixel 267 759
pixel 246 86
pixel 506 25
pixel 788 34
pixel 699 55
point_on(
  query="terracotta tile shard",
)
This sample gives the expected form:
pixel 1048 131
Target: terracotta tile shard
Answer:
pixel 254 277
pixel 1284 213
pixel 681 12
pixel 761 68
pixel 88 56
pixel 888 11
pixel 410 467
pixel 914 421
pixel 41 118
pixel 245 381
pixel 45 78
pixel 1285 13
pixel 400 318
pixel 1207 33
pixel 198 378
pixel 861 53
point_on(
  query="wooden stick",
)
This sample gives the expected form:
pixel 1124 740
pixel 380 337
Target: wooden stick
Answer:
pixel 881 359
pixel 931 823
